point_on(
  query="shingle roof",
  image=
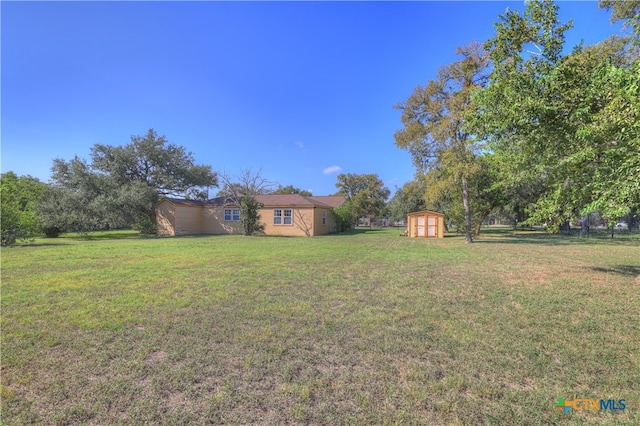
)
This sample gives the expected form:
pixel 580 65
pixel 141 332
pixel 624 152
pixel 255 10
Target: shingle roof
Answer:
pixel 278 200
pixel 183 202
pixel 269 200
pixel 329 200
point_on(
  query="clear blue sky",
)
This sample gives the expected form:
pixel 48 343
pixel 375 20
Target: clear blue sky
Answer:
pixel 301 90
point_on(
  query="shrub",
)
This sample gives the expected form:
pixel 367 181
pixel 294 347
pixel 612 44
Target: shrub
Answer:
pixel 249 216
pixel 345 216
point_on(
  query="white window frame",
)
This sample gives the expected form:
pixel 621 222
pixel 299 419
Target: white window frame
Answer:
pixel 324 217
pixel 232 216
pixel 283 217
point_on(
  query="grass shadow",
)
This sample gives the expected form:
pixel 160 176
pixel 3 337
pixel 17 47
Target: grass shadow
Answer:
pixel 510 236
pixel 356 231
pixel 28 244
pixel 626 270
pixel 106 235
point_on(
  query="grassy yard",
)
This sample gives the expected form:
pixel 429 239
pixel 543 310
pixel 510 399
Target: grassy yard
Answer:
pixel 366 328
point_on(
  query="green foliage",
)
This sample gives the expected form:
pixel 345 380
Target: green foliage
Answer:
pixel 290 189
pixel 612 138
pixel 407 199
pixel 563 128
pixel 443 193
pixel 249 216
pixel 152 160
pixel 96 203
pixel 627 10
pixel 434 117
pixel 366 193
pixel 121 185
pixel 345 216
pixel 145 225
pixel 18 217
pixel 52 232
pixel 242 193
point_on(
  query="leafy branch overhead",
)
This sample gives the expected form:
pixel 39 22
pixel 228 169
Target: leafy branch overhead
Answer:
pixel 567 122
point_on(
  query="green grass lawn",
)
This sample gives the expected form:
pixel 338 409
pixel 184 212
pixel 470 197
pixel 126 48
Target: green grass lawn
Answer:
pixel 366 328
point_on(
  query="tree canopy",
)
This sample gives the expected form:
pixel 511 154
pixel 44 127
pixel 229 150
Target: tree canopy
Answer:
pixel 567 121
pixel 408 198
pixel 150 159
pixel 121 184
pixel 18 215
pixel 366 193
pixel 290 189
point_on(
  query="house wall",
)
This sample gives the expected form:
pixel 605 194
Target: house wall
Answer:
pixel 165 218
pixel 302 222
pixel 188 220
pixel 213 222
pixel 330 225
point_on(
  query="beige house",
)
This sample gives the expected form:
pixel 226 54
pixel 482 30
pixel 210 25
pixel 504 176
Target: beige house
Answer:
pixel 425 223
pixel 288 215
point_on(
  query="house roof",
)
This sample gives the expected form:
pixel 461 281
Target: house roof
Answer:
pixel 276 200
pixel 269 200
pixel 425 211
pixel 182 201
pixel 330 200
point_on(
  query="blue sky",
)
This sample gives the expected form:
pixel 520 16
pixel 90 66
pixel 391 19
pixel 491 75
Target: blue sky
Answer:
pixel 301 90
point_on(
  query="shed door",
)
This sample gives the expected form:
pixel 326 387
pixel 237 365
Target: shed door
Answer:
pixel 432 226
pixel 420 226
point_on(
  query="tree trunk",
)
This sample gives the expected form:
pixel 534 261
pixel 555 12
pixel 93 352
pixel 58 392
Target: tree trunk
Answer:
pixel 467 210
pixel 632 220
pixel 476 231
pixel 483 216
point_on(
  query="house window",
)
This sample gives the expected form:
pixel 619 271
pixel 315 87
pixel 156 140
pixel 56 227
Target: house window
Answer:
pixel 324 217
pixel 278 217
pixel 232 215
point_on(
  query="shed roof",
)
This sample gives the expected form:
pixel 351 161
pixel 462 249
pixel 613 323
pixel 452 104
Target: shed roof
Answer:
pixel 421 212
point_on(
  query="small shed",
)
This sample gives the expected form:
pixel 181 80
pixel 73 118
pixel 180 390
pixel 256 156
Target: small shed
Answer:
pixel 426 224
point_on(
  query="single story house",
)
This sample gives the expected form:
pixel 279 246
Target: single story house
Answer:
pixel 425 223
pixel 287 215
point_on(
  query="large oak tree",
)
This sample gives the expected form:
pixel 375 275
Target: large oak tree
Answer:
pixel 121 184
pixel 434 132
pixel 366 193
